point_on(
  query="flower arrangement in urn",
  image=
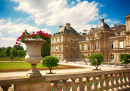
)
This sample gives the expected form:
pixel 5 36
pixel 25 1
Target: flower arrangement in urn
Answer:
pixel 34 42
pixel 33 35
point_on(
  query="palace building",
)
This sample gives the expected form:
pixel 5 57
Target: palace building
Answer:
pixel 68 44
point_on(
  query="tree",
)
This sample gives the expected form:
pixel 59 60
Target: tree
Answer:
pixel 20 53
pixel 83 57
pixel 18 47
pixel 96 59
pixel 125 58
pixel 45 50
pixel 50 62
pixel 11 57
pixel 7 51
pixel 13 52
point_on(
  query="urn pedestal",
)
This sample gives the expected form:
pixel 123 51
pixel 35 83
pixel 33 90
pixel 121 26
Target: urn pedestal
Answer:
pixel 33 54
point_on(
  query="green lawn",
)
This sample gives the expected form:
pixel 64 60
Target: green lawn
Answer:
pixel 8 59
pixel 18 65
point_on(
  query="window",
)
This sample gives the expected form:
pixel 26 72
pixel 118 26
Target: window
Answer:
pixel 121 44
pixel 59 48
pixel 66 56
pixel 96 45
pixel 82 47
pixel 66 48
pixel 112 56
pixel 112 45
pixel 76 39
pixel 66 40
pixel 71 56
pixel 56 40
pixel 56 48
pixel 77 56
pixel 71 48
pixel 60 57
pixel 53 48
pixel 118 34
pixel 88 47
pixel 71 39
pixel 60 39
pixel 77 48
pixel 84 39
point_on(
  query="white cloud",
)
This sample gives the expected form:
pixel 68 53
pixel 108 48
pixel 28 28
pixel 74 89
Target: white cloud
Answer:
pixel 14 30
pixel 72 2
pixel 7 41
pixel 111 22
pixel 53 12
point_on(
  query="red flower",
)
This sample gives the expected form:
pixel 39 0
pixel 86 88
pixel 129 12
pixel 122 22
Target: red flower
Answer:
pixel 23 33
pixel 25 30
pixel 16 42
pixel 28 36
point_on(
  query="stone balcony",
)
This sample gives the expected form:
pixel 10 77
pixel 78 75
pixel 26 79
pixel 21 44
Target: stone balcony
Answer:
pixel 115 80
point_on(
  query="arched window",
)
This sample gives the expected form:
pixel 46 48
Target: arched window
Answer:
pixel 56 40
pixel 66 39
pixel 118 34
pixel 77 48
pixel 77 56
pixel 76 39
pixel 71 57
pixel 88 47
pixel 71 39
pixel 59 48
pixel 56 48
pixel 112 45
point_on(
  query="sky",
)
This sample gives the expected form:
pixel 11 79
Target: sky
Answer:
pixel 16 16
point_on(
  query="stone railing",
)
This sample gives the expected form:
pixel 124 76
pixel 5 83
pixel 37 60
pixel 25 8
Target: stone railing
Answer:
pixel 81 81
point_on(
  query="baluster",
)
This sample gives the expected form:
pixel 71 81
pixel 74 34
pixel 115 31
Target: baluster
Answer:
pixel 107 82
pixel 94 81
pixel 120 77
pixel 55 85
pixel 116 79
pixel 124 74
pixel 81 88
pixel 128 75
pixel 73 85
pixel 64 85
pixel 112 81
pixel 101 83
pixel 88 85
pixel 5 87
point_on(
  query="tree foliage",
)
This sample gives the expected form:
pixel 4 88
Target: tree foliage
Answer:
pixel 11 57
pixel 50 62
pixel 96 59
pixel 83 57
pixel 125 58
pixel 7 51
pixel 18 47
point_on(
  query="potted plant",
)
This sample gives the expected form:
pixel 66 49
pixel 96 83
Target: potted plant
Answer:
pixel 50 62
pixel 95 60
pixel 33 42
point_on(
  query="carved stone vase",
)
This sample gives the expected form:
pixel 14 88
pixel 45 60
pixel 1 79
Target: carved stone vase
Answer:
pixel 33 54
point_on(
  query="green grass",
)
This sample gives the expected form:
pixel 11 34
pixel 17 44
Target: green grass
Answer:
pixel 8 59
pixel 18 65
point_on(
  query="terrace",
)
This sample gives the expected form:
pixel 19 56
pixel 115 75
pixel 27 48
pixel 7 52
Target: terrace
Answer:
pixel 81 80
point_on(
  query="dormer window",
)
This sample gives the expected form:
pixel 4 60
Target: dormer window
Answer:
pixel 118 34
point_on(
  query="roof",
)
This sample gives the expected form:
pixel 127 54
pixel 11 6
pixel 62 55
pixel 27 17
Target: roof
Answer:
pixel 64 30
pixel 102 25
pixel 118 26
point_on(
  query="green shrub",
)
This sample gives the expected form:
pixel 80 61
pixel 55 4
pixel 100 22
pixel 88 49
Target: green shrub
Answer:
pixel 83 57
pixel 96 59
pixel 50 62
pixel 11 57
pixel 125 58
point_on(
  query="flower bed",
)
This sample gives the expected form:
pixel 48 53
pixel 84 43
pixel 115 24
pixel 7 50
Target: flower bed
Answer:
pixel 55 68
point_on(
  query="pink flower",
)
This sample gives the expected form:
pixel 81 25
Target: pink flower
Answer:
pixel 28 36
pixel 33 32
pixel 25 30
pixel 16 42
pixel 23 33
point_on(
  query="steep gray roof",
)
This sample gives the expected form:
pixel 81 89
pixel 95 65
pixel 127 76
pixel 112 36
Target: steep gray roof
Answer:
pixel 64 30
pixel 102 25
pixel 118 26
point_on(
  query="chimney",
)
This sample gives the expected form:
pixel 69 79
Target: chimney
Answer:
pixel 60 27
pixel 68 26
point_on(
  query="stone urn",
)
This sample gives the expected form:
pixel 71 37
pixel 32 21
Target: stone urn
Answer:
pixel 33 54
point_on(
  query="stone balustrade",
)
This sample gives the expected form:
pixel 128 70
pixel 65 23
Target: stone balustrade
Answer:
pixel 101 80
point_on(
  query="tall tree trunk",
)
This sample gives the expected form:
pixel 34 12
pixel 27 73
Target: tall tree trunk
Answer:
pixel 50 70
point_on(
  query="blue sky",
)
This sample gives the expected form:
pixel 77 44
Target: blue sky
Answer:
pixel 47 15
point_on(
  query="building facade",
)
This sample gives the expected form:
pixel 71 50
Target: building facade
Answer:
pixel 68 44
